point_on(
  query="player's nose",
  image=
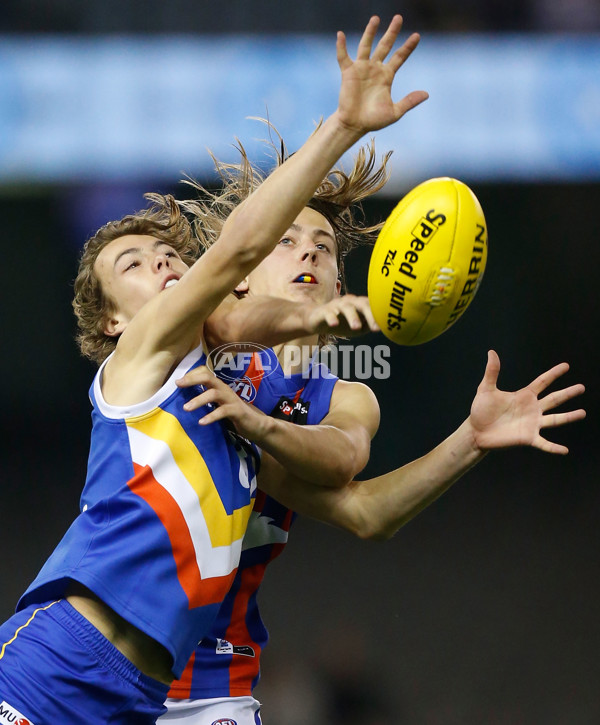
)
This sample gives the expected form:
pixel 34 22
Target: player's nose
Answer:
pixel 309 253
pixel 160 261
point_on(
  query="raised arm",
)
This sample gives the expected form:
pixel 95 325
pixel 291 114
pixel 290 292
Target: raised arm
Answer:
pixel 171 320
pixel 378 507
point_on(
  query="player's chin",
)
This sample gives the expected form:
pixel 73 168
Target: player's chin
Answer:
pixel 313 292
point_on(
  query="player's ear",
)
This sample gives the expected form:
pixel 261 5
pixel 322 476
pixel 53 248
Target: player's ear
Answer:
pixel 113 326
pixel 243 287
pixel 338 287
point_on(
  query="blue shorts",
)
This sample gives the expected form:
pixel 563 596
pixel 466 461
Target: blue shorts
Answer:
pixel 56 667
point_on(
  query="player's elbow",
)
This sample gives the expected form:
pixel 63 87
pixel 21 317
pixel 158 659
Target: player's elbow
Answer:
pixel 353 457
pixel 365 523
pixel 224 329
pixel 246 256
pixel 374 531
pixel 344 470
pixel 336 477
pixel 381 534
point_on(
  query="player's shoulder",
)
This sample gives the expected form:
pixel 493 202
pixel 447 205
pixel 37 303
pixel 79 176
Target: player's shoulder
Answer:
pixel 355 396
pixel 130 377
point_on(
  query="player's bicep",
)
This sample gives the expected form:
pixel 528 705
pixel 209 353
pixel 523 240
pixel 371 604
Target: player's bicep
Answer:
pixel 353 404
pixel 354 411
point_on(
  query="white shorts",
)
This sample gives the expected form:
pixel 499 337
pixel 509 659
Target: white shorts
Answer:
pixel 222 710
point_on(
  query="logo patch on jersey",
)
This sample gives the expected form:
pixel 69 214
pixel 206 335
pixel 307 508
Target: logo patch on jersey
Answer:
pixel 11 716
pixel 249 460
pixel 263 530
pixel 295 412
pixel 244 389
pixel 226 648
pixel 224 721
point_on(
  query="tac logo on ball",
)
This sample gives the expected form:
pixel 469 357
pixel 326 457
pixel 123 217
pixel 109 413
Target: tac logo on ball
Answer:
pixel 428 261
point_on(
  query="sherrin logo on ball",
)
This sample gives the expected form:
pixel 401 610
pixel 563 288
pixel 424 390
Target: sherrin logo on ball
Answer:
pixel 428 261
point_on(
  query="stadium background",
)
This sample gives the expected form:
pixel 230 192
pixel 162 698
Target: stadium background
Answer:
pixel 484 608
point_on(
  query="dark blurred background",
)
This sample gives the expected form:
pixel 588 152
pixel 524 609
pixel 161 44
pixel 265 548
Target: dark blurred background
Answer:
pixel 484 608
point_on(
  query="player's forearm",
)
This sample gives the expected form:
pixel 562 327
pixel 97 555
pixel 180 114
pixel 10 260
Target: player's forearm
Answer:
pixel 254 228
pixel 259 221
pixel 380 506
pixel 265 320
pixel 332 462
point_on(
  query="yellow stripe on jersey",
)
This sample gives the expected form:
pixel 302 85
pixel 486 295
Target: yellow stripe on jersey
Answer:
pixel 160 425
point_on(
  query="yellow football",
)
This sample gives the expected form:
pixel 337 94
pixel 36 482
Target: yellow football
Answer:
pixel 428 261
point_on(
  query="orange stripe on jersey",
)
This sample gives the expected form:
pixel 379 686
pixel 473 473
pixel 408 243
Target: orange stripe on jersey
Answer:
pixel 198 591
pixel 181 689
pixel 243 670
pixel 255 371
pixel 183 462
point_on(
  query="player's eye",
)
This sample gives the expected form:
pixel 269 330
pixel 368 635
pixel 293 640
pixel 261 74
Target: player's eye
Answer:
pixel 169 252
pixel 286 241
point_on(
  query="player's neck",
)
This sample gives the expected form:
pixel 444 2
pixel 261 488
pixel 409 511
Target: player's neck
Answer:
pixel 297 355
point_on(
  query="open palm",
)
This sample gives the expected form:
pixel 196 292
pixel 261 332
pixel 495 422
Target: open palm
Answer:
pixel 501 419
pixel 365 102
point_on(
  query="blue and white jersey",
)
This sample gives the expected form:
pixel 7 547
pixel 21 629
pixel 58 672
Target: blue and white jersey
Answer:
pixel 163 515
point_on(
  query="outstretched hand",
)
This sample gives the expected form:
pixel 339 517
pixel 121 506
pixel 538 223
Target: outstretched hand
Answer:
pixel 365 102
pixel 501 419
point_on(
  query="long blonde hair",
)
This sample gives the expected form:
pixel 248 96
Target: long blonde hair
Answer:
pixel 338 197
pixel 190 226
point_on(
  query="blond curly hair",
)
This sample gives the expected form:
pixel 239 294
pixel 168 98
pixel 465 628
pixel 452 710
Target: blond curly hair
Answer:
pixel 162 220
